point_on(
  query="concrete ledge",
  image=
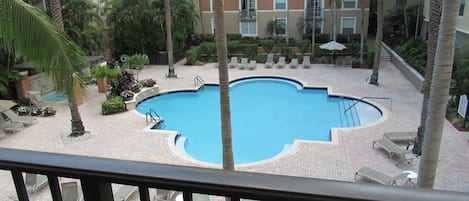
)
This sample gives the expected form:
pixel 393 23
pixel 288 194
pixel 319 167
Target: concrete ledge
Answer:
pixel 407 70
pixel 141 96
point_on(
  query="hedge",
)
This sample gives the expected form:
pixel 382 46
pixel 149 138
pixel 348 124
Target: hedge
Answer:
pixel 114 105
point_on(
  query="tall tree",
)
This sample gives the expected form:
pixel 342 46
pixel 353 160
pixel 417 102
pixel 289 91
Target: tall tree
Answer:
pixel 77 124
pixel 435 14
pixel 40 40
pixel 379 38
pixel 222 52
pixel 439 92
pixel 169 38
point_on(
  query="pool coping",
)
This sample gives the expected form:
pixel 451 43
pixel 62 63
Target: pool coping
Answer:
pixel 335 132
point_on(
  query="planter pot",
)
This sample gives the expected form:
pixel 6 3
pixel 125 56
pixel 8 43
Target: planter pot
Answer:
pixel 102 83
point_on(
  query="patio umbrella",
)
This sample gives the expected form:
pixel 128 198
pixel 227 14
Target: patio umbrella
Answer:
pixel 6 104
pixel 332 46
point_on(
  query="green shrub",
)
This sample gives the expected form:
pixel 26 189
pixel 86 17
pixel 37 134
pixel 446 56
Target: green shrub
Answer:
pixel 207 48
pixel 371 54
pixel 303 45
pixel 322 38
pixel 233 37
pixel 414 52
pixel 192 55
pixel 114 105
pixel 261 58
pixel 268 45
pixel 234 46
pixel 250 51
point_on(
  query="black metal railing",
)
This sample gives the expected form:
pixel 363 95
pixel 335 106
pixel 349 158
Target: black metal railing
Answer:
pixel 247 14
pixel 97 174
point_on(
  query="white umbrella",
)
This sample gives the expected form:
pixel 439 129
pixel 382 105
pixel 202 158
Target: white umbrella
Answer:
pixel 333 45
pixel 6 104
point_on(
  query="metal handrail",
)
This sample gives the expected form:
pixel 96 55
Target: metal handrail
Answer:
pixel 96 175
pixel 368 97
pixel 198 80
pixel 150 114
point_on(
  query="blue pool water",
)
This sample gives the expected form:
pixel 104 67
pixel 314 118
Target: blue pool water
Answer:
pixel 266 115
pixel 54 97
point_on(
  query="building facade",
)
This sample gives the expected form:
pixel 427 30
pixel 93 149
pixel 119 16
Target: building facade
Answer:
pixel 251 18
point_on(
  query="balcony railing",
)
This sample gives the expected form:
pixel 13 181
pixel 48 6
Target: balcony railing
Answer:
pixel 96 175
pixel 247 14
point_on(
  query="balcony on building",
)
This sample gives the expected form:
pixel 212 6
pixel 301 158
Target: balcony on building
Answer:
pixel 247 14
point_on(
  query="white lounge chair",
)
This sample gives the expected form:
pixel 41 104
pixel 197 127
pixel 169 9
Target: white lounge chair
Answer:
pixel 233 63
pixel 393 149
pixel 10 127
pixel 400 136
pixel 125 193
pixel 270 61
pixel 20 119
pixel 35 182
pixel 280 63
pixel 71 191
pixel 379 177
pixel 294 63
pixel 306 62
pixel 243 64
pixel 252 65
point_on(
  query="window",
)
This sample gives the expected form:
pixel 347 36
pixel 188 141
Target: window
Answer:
pixel 280 26
pixel 248 28
pixel 461 8
pixel 213 26
pixel 280 4
pixel 316 4
pixel 348 25
pixel 248 4
pixel 349 4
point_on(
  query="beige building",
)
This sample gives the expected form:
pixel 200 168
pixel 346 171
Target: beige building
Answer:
pixel 250 18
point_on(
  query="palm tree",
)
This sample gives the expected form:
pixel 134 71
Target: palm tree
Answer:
pixel 379 38
pixel 169 38
pixel 438 94
pixel 335 5
pixel 77 124
pixel 222 51
pixel 38 39
pixel 435 14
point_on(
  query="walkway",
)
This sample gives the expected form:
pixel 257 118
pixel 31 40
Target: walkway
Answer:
pixel 123 136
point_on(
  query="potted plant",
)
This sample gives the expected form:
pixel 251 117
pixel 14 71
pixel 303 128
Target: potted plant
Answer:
pixel 127 95
pixel 150 82
pixel 23 110
pixel 36 111
pixel 49 111
pixel 136 61
pixel 102 73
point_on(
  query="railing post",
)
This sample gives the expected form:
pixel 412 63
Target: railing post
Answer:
pixel 96 190
pixel 54 187
pixel 19 185
pixel 144 194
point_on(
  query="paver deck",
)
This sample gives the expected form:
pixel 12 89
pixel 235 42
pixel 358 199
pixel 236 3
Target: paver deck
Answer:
pixel 123 136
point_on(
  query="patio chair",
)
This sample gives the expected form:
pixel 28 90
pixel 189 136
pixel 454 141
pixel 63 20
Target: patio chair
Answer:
pixel 348 60
pixel 270 61
pixel 35 182
pixel 391 147
pixel 20 119
pixel 243 64
pixel 379 177
pixel 401 136
pixel 233 63
pixel 71 191
pixel 125 193
pixel 252 65
pixel 10 127
pixel 294 63
pixel 306 62
pixel 280 63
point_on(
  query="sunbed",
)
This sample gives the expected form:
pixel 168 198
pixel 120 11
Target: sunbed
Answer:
pixel 400 136
pixel 306 62
pixel 294 63
pixel 10 127
pixel 35 182
pixel 252 65
pixel 270 61
pixel 233 63
pixel 280 63
pixel 243 64
pixel 391 147
pixel 20 119
pixel 379 177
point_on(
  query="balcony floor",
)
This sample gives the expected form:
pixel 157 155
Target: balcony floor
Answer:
pixel 124 135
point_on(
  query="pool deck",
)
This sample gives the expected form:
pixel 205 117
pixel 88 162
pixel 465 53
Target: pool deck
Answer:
pixel 125 136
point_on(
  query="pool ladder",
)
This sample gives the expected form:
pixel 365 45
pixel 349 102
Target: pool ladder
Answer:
pixel 198 81
pixel 369 97
pixel 153 117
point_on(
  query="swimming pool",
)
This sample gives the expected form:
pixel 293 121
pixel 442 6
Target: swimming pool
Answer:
pixel 267 115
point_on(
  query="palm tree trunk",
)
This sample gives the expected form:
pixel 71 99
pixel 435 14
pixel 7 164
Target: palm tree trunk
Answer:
pixel 334 22
pixel 362 31
pixel 433 27
pixel 77 124
pixel 169 39
pixel 438 94
pixel 379 38
pixel 220 36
